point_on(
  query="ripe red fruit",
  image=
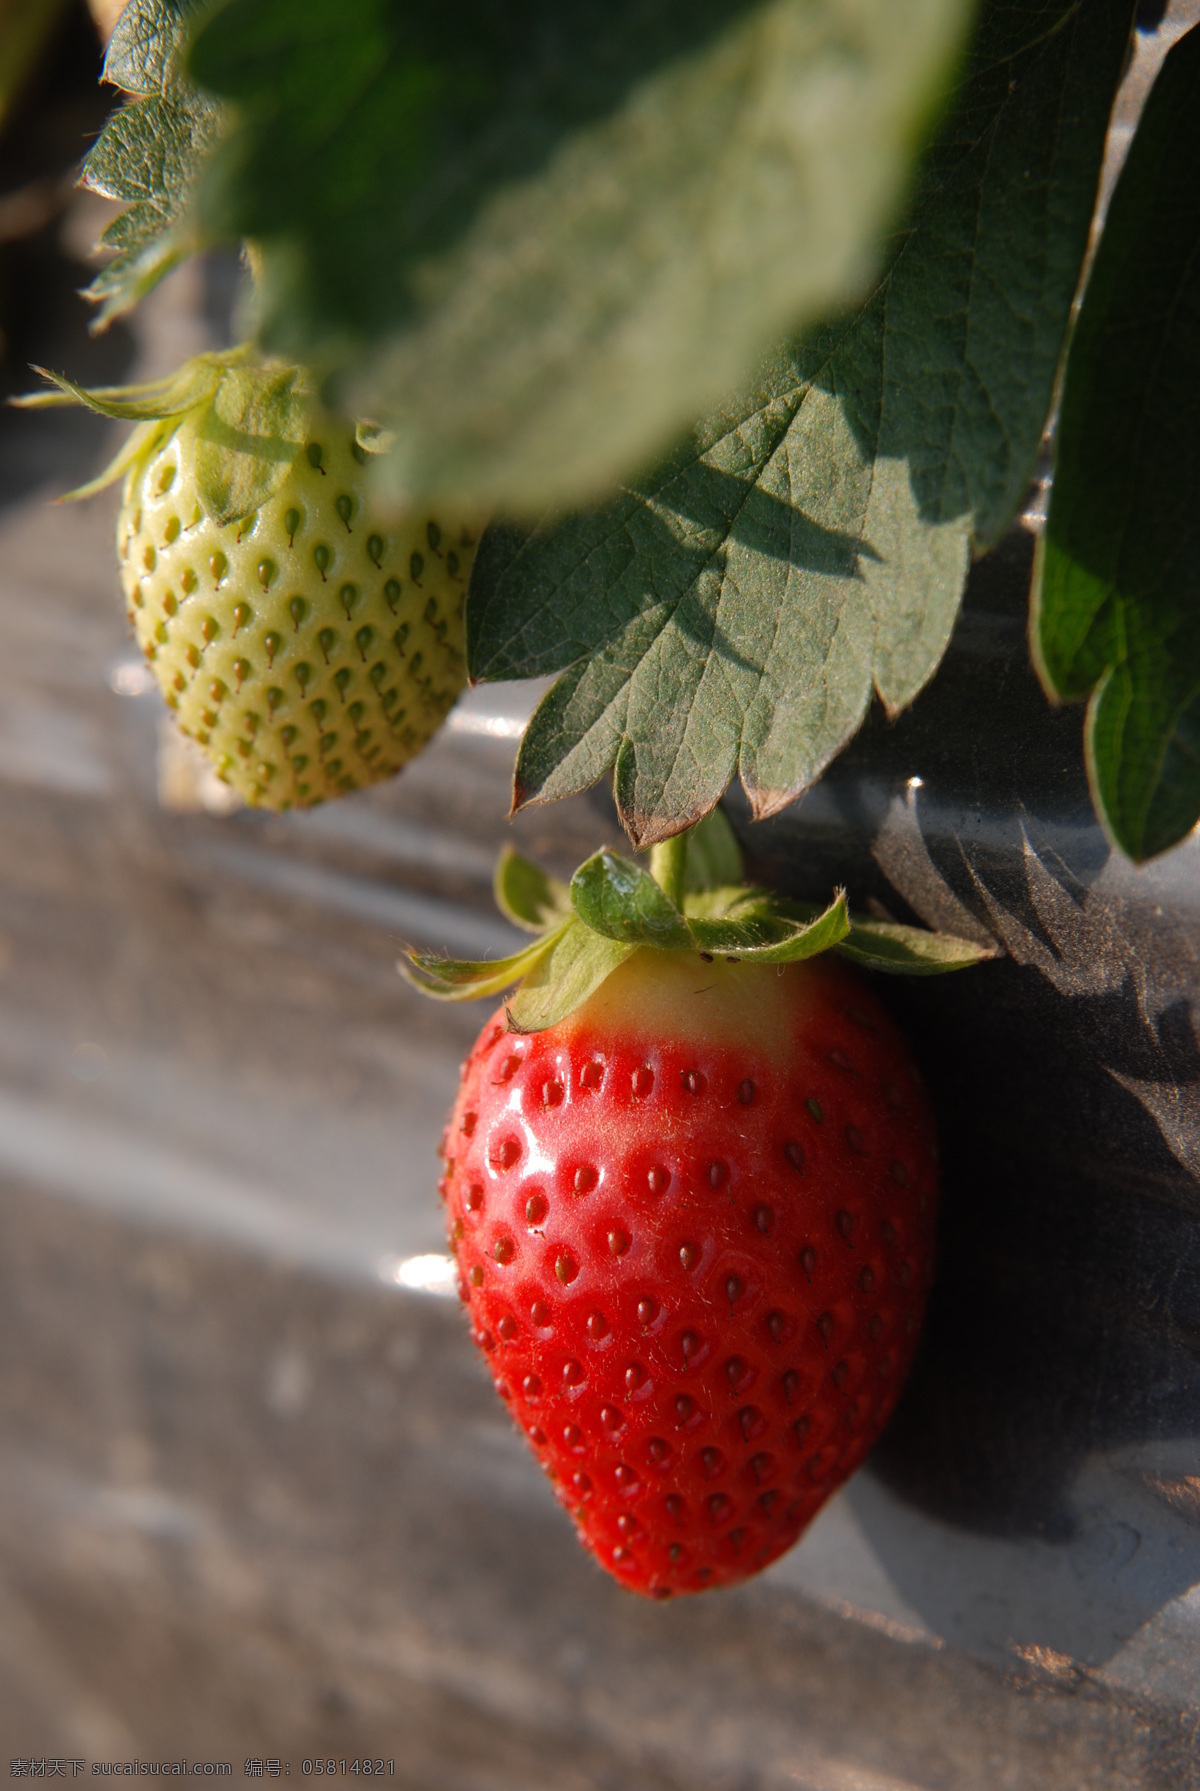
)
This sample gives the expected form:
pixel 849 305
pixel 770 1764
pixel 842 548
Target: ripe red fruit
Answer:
pixel 694 1224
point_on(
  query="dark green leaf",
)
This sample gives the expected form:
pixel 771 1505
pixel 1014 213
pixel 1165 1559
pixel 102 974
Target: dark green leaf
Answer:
pixel 564 977
pixel 1117 589
pixel 150 153
pixel 623 902
pixel 714 857
pixel 526 895
pixel 732 612
pixel 557 233
pixel 455 979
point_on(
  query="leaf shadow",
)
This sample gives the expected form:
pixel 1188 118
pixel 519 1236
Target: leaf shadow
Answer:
pixel 698 625
pixel 764 523
pixel 1063 1333
pixel 215 431
pixel 524 621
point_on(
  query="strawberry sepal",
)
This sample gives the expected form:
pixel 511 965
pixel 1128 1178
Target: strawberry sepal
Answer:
pixel 910 951
pixel 250 418
pixel 614 907
pixel 526 895
pixel 761 932
pixel 561 980
pixel 621 901
pixel 457 979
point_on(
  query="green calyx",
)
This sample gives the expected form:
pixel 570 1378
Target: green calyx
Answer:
pixel 250 418
pixel 691 900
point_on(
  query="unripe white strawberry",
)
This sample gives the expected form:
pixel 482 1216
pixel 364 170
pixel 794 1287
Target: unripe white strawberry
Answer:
pixel 309 647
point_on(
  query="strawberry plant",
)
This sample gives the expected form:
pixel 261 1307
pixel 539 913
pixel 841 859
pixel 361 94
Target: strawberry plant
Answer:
pixel 741 325
pixel 743 320
pixel 690 1183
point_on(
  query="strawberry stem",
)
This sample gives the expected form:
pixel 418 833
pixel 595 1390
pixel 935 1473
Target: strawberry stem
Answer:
pixel 668 866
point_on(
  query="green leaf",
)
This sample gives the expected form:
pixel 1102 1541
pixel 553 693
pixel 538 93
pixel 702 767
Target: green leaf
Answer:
pixel 248 439
pixel 809 543
pixel 714 856
pixel 909 951
pixel 457 979
pixel 622 901
pixel 1117 586
pixel 526 895
pixel 578 962
pixel 553 235
pixel 149 153
pixel 147 45
pixel 759 933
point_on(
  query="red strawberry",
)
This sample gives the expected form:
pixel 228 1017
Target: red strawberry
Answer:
pixel 694 1223
pixel 690 1182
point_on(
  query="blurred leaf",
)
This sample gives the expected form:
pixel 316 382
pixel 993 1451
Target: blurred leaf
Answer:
pixel 714 857
pixel 732 612
pixel 1117 588
pixel 149 154
pixel 549 235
